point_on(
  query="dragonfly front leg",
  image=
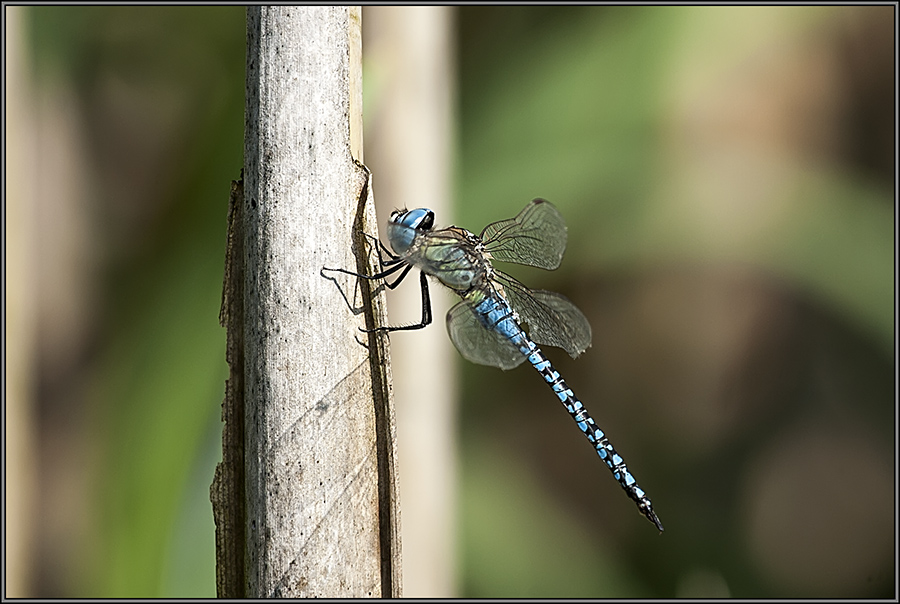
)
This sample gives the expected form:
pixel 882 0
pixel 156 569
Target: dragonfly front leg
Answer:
pixel 426 306
pixel 382 250
pixel 393 261
pixel 397 265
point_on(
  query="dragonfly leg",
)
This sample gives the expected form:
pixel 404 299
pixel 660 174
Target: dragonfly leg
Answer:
pixel 394 264
pixel 426 306
pixel 393 259
pixel 382 249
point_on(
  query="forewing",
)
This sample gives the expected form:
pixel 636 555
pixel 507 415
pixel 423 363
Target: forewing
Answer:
pixel 551 318
pixel 477 343
pixel 536 237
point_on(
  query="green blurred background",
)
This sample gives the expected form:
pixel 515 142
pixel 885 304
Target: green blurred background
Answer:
pixel 727 175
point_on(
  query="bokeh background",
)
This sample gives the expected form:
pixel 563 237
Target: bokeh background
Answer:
pixel 728 178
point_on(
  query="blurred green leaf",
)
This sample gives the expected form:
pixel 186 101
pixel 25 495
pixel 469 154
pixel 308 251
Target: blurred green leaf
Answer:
pixel 578 114
pixel 508 554
pixel 158 378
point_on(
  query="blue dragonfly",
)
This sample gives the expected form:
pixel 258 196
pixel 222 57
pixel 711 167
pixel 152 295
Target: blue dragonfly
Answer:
pixel 486 326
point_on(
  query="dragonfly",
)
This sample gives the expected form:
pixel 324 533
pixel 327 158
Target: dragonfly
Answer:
pixel 486 326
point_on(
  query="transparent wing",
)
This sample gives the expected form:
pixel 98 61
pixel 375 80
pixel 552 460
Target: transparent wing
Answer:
pixel 536 237
pixel 477 343
pixel 551 318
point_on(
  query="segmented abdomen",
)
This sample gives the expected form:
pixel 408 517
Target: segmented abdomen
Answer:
pixel 504 322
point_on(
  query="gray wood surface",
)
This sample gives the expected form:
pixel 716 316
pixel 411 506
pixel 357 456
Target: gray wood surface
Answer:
pixel 321 513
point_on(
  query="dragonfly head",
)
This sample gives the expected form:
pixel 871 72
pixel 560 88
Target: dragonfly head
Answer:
pixel 404 225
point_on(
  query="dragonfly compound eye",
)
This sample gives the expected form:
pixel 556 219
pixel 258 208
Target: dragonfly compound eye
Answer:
pixel 421 219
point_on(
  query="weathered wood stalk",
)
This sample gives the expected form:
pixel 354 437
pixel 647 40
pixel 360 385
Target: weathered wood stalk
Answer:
pixel 312 493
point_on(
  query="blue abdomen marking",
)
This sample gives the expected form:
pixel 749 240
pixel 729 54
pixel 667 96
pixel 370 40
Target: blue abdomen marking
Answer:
pixel 500 318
